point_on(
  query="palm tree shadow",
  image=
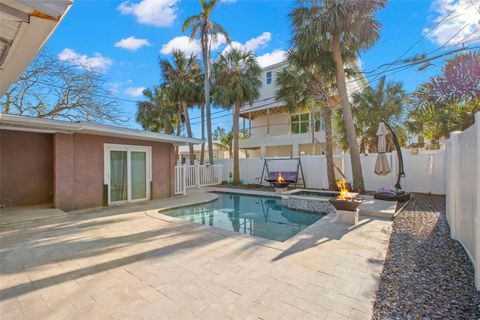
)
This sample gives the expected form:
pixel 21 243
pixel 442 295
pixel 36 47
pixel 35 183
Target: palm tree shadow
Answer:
pixel 36 244
pixel 22 289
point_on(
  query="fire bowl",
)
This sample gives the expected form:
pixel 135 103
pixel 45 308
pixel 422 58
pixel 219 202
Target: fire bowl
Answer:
pixel 281 184
pixel 346 205
pixel 281 187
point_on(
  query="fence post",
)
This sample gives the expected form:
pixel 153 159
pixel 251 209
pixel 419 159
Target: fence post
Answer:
pixel 197 174
pixel 477 204
pixel 184 179
pixel 453 176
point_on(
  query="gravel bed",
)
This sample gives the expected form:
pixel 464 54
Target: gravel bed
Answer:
pixel 426 274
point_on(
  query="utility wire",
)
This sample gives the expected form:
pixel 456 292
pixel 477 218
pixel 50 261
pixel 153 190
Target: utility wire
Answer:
pixel 390 72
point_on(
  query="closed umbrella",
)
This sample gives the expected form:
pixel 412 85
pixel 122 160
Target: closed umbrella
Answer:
pixel 382 167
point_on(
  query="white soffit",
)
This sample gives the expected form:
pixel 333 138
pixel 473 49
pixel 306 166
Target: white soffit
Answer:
pixel 25 26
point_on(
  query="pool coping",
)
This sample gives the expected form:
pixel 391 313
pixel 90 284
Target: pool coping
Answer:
pixel 307 235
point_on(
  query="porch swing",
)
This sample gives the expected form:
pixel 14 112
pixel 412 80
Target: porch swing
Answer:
pixel 289 170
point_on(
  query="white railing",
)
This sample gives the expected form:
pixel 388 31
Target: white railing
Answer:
pixel 191 176
pixel 188 176
pixel 180 181
pixel 463 188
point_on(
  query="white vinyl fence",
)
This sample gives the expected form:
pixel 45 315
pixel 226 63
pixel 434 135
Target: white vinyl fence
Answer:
pixel 463 191
pixel 425 171
pixel 188 176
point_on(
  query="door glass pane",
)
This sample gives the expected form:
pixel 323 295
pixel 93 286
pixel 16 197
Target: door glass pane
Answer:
pixel 118 176
pixel 139 175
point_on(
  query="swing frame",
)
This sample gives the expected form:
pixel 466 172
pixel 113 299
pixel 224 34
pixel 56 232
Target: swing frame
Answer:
pixel 267 171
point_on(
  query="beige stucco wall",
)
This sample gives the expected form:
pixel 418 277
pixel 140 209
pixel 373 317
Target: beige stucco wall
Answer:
pixel 278 125
pixel 26 168
pixel 311 149
pixel 279 151
pixel 252 153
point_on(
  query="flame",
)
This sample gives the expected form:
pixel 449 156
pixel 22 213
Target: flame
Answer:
pixel 342 185
pixel 280 178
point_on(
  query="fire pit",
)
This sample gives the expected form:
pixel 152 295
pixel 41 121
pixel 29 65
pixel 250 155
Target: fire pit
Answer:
pixel 281 184
pixel 346 205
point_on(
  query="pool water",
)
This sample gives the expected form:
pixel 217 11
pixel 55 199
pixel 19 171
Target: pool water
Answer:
pixel 253 215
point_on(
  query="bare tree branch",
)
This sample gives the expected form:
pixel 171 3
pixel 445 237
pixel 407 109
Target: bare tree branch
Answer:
pixel 54 89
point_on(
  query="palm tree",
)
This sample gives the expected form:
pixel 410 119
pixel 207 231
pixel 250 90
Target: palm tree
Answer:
pixel 345 27
pixel 208 31
pixel 308 86
pixel 157 112
pixel 386 101
pixel 182 76
pixel 237 76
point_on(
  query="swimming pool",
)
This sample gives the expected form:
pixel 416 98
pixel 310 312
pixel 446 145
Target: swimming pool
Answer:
pixel 259 216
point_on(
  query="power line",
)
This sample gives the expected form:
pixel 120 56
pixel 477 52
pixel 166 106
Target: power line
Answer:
pixel 387 65
pixel 390 72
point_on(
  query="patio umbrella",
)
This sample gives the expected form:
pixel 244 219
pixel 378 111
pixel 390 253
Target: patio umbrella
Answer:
pixel 382 167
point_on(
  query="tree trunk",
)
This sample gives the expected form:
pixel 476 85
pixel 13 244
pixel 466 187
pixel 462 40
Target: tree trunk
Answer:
pixel 202 149
pixel 236 159
pixel 327 118
pixel 362 145
pixel 207 65
pixel 358 184
pixel 191 153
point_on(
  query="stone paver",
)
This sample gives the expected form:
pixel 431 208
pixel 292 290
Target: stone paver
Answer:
pixel 134 263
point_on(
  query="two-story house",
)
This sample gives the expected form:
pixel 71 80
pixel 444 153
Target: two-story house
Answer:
pixel 271 131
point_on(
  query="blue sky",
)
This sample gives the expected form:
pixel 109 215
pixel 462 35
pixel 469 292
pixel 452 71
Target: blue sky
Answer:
pixel 93 31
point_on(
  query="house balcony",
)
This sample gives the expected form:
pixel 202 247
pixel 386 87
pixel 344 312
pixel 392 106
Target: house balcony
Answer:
pixel 256 141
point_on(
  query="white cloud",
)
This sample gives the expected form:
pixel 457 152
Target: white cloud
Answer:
pixel 465 20
pixel 134 91
pixel 132 43
pixel 159 13
pixel 97 62
pixel 189 46
pixel 228 1
pixel 258 42
pixel 114 87
pixel 252 44
pixel 183 43
pixel 273 57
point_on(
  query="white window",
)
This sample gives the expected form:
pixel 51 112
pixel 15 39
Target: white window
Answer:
pixel 127 172
pixel 299 123
pixel 269 77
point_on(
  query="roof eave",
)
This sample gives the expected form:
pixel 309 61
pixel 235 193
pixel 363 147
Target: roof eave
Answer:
pixel 21 123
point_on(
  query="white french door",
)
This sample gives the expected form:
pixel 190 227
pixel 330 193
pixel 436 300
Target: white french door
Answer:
pixel 127 173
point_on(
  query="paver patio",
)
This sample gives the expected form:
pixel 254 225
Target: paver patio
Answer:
pixel 134 263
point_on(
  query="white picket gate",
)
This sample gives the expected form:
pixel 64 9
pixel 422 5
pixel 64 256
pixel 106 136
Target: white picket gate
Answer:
pixel 196 176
